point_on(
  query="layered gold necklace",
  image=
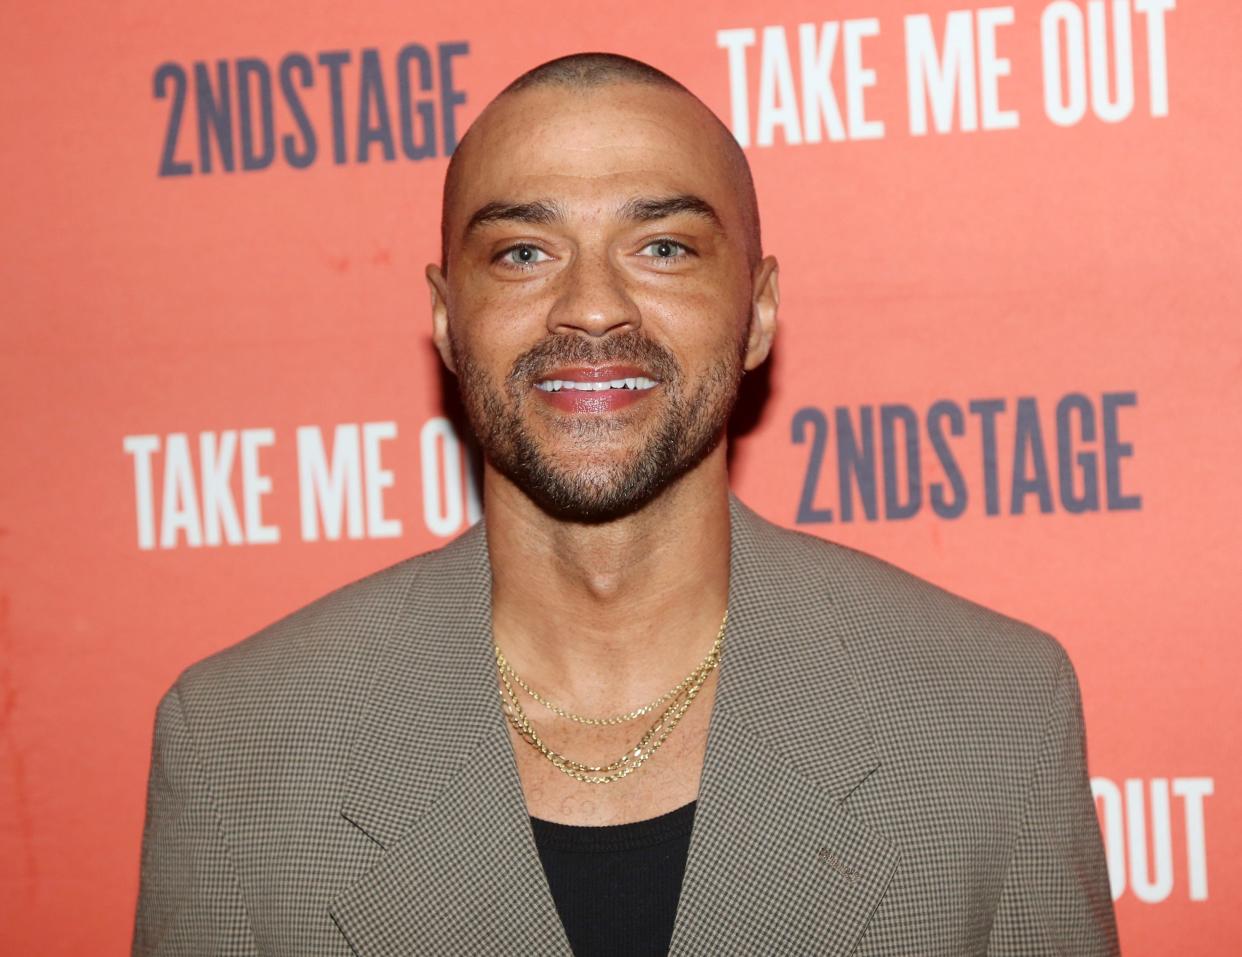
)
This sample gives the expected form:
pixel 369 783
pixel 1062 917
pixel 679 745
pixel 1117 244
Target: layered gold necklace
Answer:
pixel 680 697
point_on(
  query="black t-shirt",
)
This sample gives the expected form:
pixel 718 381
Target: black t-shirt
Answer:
pixel 616 887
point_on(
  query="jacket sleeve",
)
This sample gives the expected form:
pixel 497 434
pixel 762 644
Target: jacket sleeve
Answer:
pixel 189 898
pixel 1056 898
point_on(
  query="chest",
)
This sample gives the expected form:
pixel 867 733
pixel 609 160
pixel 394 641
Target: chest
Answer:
pixel 667 780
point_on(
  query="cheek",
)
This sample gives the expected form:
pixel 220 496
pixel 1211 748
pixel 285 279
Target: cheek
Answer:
pixel 698 325
pixel 495 316
pixel 491 332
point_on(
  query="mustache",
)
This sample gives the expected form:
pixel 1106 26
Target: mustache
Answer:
pixel 631 348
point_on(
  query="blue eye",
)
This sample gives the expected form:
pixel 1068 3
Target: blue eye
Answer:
pixel 523 255
pixel 667 249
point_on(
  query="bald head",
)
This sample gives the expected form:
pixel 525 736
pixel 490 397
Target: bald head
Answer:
pixel 581 71
pixel 591 73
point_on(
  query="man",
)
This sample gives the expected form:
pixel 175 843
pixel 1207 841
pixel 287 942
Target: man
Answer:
pixel 622 713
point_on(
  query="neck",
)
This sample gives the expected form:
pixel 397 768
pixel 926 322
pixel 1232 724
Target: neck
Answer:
pixel 604 617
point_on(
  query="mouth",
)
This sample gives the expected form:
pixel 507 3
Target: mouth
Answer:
pixel 595 389
pixel 639 383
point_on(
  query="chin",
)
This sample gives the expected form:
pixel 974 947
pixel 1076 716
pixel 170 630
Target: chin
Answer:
pixel 576 498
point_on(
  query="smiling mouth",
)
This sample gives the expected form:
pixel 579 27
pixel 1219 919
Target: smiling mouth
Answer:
pixel 634 384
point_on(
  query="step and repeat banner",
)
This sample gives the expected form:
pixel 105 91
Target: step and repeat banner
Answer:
pixel 1008 360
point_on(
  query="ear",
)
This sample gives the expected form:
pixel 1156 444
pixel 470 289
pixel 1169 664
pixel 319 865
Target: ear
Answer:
pixel 439 315
pixel 764 302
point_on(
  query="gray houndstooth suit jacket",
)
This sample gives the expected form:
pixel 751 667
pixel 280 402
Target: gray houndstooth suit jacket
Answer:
pixel 890 769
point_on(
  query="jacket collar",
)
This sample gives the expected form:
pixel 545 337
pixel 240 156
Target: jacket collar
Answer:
pixel 775 861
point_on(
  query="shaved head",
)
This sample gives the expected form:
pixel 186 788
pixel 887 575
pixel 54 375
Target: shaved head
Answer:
pixel 588 72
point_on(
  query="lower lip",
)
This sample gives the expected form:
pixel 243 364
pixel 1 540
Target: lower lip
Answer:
pixel 605 400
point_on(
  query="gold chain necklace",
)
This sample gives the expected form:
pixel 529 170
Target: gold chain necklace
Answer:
pixel 633 759
pixel 669 695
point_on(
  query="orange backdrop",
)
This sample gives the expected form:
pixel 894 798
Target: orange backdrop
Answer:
pixel 1009 359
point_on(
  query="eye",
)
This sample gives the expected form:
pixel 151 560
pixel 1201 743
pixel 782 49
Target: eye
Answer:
pixel 522 256
pixel 666 249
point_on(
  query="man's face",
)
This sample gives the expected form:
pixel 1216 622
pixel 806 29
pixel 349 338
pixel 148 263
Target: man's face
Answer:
pixel 599 299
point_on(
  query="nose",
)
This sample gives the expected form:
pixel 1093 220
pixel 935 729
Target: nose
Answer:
pixel 593 299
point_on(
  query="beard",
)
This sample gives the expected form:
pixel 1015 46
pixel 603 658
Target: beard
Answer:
pixel 688 424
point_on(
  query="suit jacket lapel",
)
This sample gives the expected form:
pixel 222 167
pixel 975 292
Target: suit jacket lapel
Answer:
pixel 435 785
pixel 776 863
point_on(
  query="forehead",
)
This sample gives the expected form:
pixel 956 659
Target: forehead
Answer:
pixel 594 147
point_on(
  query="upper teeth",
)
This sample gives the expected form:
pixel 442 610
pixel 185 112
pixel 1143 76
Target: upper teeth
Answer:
pixel 555 385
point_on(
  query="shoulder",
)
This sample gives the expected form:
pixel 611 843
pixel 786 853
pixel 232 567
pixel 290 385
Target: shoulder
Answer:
pixel 905 634
pixel 320 659
pixel 958 697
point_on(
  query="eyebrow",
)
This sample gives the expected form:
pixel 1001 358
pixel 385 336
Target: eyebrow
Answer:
pixel 646 209
pixel 542 212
